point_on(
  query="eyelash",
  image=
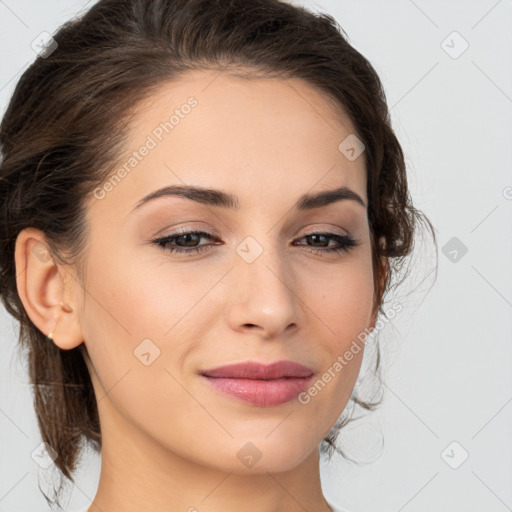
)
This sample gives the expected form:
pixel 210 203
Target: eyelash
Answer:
pixel 346 241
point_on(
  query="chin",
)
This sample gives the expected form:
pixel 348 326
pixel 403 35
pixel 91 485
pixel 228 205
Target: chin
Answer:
pixel 261 455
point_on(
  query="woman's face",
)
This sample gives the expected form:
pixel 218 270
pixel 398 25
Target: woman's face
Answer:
pixel 259 289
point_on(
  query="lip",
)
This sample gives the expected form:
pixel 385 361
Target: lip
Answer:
pixel 255 370
pixel 260 384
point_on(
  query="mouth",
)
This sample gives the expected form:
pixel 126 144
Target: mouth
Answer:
pixel 259 384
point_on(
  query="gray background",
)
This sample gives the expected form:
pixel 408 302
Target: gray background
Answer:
pixel 447 356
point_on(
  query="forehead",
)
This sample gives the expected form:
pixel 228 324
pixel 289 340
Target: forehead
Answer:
pixel 258 137
pixel 233 95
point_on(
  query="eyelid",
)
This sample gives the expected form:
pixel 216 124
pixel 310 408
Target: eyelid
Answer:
pixel 190 228
pixel 332 230
pixel 214 233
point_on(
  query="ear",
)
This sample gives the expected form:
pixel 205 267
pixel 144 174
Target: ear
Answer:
pixel 47 290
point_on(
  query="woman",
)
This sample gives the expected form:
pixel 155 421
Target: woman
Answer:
pixel 204 204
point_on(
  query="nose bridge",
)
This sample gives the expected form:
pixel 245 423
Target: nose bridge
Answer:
pixel 265 292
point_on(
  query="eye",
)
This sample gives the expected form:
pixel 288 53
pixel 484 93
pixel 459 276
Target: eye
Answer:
pixel 345 242
pixel 172 243
pixel 187 242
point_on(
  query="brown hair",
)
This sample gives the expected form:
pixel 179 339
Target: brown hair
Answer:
pixel 64 128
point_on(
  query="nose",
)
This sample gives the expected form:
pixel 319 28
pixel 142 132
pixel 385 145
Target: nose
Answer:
pixel 264 299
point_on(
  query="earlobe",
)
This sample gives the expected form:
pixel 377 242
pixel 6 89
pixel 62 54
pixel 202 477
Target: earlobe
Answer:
pixel 43 291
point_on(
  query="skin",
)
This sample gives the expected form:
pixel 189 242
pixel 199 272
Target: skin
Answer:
pixel 170 442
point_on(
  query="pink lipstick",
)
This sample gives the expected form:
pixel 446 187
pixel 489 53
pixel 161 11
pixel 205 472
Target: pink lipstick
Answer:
pixel 260 384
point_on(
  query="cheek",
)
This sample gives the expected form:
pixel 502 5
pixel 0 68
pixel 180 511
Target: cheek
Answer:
pixel 342 302
pixel 127 314
pixel 342 299
pixel 140 299
pixel 133 307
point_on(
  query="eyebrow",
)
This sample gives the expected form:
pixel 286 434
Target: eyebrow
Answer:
pixel 213 197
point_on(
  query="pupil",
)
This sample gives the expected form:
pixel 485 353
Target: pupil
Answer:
pixel 188 237
pixel 315 237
